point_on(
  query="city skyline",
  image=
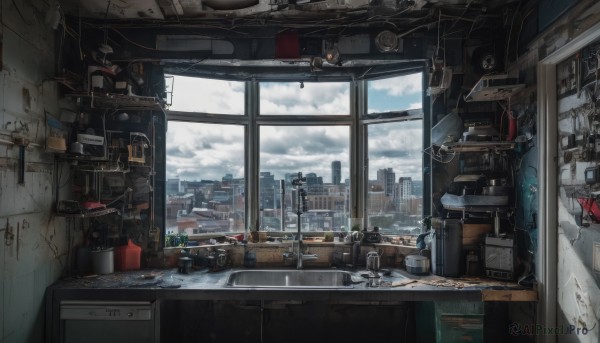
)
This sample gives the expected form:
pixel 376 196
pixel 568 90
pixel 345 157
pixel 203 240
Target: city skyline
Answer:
pixel 398 181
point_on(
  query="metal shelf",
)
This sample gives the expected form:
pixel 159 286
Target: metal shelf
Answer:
pixel 477 146
pixel 89 214
pixel 494 87
pixel 114 101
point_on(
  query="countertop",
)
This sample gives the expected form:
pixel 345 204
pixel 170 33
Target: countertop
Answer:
pixel 208 285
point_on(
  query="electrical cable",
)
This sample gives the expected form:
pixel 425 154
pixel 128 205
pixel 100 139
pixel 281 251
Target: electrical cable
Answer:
pixel 438 157
pixel 132 42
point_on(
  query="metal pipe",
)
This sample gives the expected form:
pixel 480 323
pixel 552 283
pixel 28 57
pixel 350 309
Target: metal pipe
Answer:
pixel 21 164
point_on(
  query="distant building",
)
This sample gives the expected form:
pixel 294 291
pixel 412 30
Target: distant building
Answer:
pixel 267 190
pixel 405 187
pixel 405 195
pixel 387 178
pixel 173 186
pixel 336 172
pixel 417 188
pixel 178 204
pixel 314 184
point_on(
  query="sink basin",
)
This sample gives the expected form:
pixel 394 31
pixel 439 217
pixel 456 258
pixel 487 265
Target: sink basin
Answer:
pixel 292 278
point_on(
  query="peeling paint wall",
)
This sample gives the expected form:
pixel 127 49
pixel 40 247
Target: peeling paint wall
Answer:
pixel 33 248
pixel 577 282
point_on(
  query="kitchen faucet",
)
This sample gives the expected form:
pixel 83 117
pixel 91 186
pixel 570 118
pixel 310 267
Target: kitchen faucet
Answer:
pixel 301 208
pixel 299 256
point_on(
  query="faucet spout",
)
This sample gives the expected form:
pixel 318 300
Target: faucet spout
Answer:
pixel 299 255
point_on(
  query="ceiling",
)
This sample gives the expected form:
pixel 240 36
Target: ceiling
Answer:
pixel 213 36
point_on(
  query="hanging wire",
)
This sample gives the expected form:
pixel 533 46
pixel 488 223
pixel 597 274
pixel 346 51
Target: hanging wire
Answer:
pixel 439 157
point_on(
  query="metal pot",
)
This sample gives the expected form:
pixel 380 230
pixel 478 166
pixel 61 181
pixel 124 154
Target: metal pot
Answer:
pixel 77 148
pixel 496 190
pixel 184 265
pixel 417 264
pixel 497 182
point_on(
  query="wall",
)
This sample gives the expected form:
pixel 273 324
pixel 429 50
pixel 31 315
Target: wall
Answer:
pixel 577 281
pixel 33 250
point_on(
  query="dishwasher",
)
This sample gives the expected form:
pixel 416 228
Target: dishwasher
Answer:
pixel 108 321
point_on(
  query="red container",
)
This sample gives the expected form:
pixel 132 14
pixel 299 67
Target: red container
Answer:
pixel 127 257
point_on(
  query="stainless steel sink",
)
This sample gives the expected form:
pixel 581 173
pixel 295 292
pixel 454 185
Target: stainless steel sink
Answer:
pixel 293 278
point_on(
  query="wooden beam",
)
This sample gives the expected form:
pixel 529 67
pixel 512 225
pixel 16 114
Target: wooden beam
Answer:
pixel 509 295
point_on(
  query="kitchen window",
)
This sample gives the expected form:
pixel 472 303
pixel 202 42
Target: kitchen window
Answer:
pixel 287 150
pixel 239 160
pixel 395 175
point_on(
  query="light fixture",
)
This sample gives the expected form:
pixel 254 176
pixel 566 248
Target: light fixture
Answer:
pixel 332 55
pixel 386 41
pixel 123 116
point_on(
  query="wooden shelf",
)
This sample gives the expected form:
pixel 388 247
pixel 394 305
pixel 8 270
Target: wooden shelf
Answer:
pixel 114 101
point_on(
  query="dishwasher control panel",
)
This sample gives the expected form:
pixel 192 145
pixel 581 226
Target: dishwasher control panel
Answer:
pixel 106 310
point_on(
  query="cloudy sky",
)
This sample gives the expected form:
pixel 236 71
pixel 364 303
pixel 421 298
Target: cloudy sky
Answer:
pixel 209 151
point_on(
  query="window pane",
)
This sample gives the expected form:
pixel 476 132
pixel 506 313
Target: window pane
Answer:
pixel 395 94
pixel 306 98
pixel 395 196
pixel 205 178
pixel 321 154
pixel 194 94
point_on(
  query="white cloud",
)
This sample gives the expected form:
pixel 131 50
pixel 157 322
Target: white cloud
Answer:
pixel 399 86
pixel 415 105
pixel 209 151
pixel 192 94
pixel 314 98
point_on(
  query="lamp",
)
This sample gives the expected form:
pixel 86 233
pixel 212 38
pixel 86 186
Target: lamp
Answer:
pixel 332 55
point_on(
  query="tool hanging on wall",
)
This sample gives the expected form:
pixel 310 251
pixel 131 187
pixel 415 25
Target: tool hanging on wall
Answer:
pixel 590 210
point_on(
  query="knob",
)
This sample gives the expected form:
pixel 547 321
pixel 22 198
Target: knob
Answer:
pixel 129 314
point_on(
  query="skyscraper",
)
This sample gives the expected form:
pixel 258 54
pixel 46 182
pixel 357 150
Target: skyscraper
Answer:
pixel 336 172
pixel 387 178
pixel 405 186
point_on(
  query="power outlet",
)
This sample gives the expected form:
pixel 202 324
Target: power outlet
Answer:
pixel 597 256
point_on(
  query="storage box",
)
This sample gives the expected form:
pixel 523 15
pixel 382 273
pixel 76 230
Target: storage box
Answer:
pixel 474 234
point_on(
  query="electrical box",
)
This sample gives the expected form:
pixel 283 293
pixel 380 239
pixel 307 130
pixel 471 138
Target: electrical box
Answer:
pixel 567 142
pixel 500 257
pixel 592 175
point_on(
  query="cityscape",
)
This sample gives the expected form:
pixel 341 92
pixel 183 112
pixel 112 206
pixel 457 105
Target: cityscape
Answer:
pixel 394 204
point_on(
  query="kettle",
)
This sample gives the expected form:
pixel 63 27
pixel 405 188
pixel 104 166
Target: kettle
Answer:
pixel 372 260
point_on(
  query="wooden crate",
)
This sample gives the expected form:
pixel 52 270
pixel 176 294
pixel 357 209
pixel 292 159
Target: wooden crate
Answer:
pixel 474 234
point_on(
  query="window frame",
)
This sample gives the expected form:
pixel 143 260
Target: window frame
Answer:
pixel 357 121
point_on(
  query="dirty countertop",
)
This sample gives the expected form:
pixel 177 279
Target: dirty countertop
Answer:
pixel 205 284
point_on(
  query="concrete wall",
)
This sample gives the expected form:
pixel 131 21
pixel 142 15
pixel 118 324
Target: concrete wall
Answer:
pixel 577 281
pixel 33 246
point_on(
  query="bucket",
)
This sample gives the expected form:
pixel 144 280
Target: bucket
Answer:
pixel 127 257
pixel 103 261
